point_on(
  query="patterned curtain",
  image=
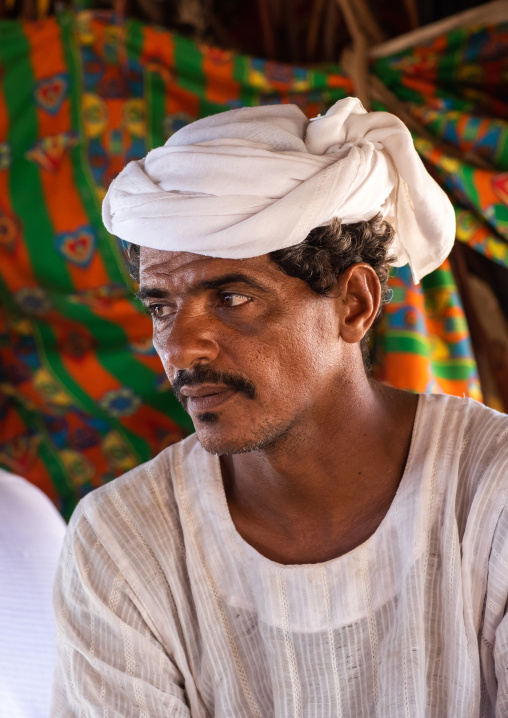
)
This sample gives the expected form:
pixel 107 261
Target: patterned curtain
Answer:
pixel 83 397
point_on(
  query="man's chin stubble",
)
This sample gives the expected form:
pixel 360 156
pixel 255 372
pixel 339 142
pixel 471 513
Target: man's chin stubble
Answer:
pixel 269 438
pixel 208 417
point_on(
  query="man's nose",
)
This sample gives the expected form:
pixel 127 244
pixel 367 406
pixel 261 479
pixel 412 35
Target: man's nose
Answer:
pixel 191 339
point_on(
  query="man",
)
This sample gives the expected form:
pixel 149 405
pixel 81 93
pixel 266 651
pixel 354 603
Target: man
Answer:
pixel 323 545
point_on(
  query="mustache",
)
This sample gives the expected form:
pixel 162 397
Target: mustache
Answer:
pixel 203 374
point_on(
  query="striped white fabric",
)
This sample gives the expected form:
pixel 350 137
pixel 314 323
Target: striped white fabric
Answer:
pixel 164 610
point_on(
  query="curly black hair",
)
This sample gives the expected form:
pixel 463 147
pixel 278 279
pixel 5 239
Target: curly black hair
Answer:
pixel 324 254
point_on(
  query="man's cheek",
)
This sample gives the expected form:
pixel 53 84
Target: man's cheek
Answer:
pixel 161 347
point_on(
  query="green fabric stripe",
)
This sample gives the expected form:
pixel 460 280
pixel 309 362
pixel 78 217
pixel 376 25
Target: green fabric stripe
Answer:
pixel 454 369
pixel 319 80
pixel 443 67
pixel 211 108
pixel 249 96
pixel 24 181
pixel 501 151
pixel 438 279
pixel 399 341
pixel 154 87
pixel 189 67
pixel 106 244
pixel 7 299
pixel 467 174
pixel 134 39
pixel 393 78
pixel 155 102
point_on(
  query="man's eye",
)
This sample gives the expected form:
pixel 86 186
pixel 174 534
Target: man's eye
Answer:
pixel 229 299
pixel 158 311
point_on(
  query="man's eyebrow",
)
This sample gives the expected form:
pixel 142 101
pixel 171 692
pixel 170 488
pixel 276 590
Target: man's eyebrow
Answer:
pixel 151 293
pixel 234 278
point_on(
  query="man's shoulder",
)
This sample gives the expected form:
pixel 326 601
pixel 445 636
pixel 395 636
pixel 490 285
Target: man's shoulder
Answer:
pixel 140 507
pixel 484 428
pixel 463 446
pixel 471 462
pixel 474 434
pixel 477 422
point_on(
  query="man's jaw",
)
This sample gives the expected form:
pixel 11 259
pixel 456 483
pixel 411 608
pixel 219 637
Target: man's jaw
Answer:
pixel 228 435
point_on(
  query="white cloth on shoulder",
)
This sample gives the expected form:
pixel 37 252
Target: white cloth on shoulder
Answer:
pixel 250 181
pixel 31 536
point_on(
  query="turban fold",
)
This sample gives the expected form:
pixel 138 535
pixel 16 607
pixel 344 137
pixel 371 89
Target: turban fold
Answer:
pixel 250 181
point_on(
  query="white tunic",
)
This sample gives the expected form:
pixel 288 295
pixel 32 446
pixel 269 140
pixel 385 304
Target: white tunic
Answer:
pixel 164 610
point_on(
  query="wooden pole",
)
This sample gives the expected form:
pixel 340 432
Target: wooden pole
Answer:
pixel 367 20
pixel 330 31
pixel 315 22
pixel 266 29
pixel 492 13
pixel 412 13
pixel 355 60
pixel 290 22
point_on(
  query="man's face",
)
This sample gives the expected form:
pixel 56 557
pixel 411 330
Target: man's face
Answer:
pixel 251 352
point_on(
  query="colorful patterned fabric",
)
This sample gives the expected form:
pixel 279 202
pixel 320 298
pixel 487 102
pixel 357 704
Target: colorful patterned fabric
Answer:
pixel 83 395
pixel 422 343
pixel 456 87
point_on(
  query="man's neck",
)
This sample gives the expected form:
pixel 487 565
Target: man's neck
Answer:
pixel 325 486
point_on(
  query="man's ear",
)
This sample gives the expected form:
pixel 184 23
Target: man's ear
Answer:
pixel 359 296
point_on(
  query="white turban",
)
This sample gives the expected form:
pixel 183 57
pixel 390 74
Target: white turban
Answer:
pixel 250 181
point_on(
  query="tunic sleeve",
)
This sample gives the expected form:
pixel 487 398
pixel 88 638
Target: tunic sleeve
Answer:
pixel 494 638
pixel 109 663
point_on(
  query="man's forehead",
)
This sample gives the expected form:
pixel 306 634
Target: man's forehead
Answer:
pixel 158 266
pixel 159 261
